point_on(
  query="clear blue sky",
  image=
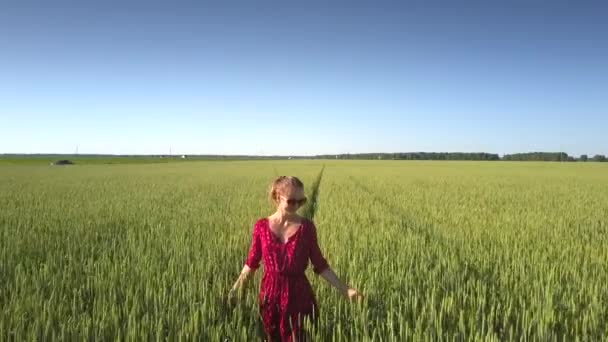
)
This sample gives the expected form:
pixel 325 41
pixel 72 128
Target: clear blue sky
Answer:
pixel 305 77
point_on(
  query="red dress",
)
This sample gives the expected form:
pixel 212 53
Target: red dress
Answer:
pixel 286 296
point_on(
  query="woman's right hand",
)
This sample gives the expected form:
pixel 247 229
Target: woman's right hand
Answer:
pixel 232 298
pixel 237 289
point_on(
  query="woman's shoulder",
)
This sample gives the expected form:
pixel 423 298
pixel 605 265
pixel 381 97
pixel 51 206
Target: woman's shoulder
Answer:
pixel 259 223
pixel 304 220
pixel 308 222
pixel 261 220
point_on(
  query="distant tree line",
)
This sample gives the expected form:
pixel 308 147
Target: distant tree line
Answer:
pixel 418 156
pixel 552 156
pixel 539 156
pixel 531 156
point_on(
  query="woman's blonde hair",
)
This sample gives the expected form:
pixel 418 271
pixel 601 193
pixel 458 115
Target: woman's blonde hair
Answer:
pixel 280 184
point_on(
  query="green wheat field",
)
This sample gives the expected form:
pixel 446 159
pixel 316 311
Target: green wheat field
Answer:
pixel 442 250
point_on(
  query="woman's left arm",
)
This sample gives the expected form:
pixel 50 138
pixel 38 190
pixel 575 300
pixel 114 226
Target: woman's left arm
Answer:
pixel 330 276
pixel 322 268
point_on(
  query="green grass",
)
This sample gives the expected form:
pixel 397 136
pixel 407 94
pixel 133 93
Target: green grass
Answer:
pixel 443 250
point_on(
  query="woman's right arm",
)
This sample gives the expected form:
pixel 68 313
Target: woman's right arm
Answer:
pixel 252 263
pixel 242 281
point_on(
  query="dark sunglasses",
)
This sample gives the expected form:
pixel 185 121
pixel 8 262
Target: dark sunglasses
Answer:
pixel 293 201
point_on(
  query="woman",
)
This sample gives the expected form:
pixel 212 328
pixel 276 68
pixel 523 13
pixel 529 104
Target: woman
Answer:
pixel 285 242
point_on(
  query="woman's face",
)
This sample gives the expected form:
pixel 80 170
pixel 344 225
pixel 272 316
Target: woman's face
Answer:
pixel 291 199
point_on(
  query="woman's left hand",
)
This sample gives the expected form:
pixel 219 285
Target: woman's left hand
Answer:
pixel 352 294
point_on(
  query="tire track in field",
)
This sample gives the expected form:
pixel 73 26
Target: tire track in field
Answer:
pixel 472 271
pixel 426 232
pixel 395 211
pixel 313 204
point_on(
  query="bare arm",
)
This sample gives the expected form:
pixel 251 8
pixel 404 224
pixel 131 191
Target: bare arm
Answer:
pixel 330 276
pixel 251 264
pixel 321 267
pixel 243 279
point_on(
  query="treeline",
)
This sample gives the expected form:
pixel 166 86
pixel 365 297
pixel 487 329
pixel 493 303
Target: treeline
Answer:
pixel 539 156
pixel 418 156
pixel 531 156
pixel 552 156
pixel 106 158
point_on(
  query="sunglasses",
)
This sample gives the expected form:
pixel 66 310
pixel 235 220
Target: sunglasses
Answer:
pixel 293 201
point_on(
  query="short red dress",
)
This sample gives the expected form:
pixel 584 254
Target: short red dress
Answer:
pixel 286 297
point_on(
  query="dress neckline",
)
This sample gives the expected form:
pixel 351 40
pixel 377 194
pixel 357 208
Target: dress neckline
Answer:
pixel 288 239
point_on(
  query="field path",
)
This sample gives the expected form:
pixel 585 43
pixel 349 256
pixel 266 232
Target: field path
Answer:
pixel 311 208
